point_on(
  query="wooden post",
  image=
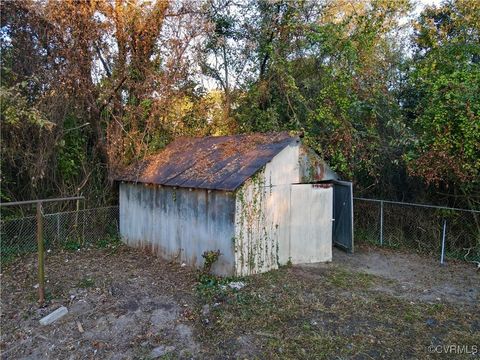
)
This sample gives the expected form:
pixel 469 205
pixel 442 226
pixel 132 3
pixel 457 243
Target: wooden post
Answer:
pixel 41 255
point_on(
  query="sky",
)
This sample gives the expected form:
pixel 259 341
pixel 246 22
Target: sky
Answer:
pixel 424 3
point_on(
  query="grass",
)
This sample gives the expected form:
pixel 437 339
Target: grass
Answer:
pixel 72 244
pixel 86 283
pixel 11 252
pixel 211 288
pixel 284 315
pixel 110 241
pixel 345 279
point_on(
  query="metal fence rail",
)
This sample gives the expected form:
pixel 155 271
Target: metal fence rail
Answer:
pixel 418 227
pixel 64 230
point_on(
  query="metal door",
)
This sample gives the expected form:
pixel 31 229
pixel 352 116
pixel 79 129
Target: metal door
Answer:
pixel 343 215
pixel 311 223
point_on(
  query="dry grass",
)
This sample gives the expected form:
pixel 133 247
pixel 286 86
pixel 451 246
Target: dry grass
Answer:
pixel 295 312
pixel 285 314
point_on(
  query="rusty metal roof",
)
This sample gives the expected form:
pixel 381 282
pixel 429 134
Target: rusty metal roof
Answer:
pixel 213 162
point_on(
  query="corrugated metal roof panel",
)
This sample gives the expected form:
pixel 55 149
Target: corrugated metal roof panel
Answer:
pixel 214 162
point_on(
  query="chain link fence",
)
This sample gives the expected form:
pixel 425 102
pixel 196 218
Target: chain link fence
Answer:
pixel 69 230
pixel 391 224
pixel 418 227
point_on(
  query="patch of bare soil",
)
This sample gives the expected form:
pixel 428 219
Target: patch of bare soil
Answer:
pixel 127 304
pixel 413 276
pixel 123 304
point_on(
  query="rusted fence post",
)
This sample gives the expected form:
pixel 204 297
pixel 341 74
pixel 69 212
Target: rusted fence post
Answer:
pixel 41 249
pixel 41 255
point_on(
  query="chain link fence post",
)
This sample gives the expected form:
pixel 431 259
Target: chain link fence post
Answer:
pixel 41 255
pixel 444 232
pixel 83 220
pixel 381 223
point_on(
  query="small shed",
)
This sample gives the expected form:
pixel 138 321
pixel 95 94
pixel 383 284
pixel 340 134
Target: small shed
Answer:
pixel 263 200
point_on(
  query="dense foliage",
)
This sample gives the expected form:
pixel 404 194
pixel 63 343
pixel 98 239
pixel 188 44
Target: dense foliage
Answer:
pixel 389 98
pixel 444 96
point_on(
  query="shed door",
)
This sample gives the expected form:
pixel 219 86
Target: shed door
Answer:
pixel 343 215
pixel 311 223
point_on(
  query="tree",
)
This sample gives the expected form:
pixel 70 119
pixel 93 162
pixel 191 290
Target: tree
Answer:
pixel 444 104
pixel 109 76
pixel 329 69
pixel 88 87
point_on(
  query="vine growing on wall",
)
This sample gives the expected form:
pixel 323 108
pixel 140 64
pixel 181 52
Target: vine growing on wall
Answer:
pixel 254 244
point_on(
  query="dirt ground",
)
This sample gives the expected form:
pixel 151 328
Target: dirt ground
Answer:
pixel 127 304
pixel 417 277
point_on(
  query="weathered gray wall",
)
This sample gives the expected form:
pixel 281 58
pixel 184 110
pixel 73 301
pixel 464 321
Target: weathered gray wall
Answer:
pixel 276 221
pixel 262 213
pixel 179 223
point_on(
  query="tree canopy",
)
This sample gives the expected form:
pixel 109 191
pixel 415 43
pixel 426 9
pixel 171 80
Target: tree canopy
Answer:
pixel 389 98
